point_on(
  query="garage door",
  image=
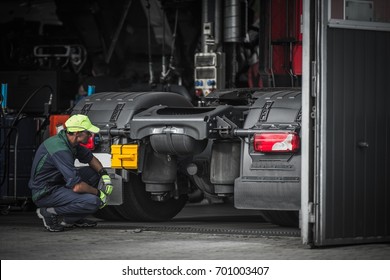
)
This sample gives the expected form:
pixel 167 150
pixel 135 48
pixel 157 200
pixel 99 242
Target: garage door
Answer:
pixel 349 194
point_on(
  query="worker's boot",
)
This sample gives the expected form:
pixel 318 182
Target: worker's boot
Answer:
pixel 50 221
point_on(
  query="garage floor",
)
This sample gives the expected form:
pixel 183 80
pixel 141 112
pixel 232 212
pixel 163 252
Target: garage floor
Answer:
pixel 199 232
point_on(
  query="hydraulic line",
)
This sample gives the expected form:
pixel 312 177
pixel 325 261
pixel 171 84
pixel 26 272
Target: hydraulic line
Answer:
pixel 173 40
pixel 165 73
pixel 151 75
pixel 163 62
pixel 117 31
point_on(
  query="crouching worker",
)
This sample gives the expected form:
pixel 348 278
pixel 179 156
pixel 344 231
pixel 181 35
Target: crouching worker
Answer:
pixel 59 189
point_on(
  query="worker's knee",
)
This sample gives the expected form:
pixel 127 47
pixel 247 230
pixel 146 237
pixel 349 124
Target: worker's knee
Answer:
pixel 92 204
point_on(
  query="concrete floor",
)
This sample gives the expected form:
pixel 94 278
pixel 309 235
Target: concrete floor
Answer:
pixel 22 236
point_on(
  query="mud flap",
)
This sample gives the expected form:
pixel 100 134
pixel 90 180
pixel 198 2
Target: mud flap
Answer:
pixel 262 194
pixel 116 197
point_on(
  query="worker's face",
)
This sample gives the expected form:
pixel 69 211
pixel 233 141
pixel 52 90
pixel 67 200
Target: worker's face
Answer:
pixel 84 136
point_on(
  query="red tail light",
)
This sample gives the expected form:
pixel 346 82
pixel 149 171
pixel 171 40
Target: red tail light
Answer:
pixel 282 142
pixel 91 143
pixel 198 92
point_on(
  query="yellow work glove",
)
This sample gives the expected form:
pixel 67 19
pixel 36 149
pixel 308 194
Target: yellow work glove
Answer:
pixel 103 199
pixel 107 186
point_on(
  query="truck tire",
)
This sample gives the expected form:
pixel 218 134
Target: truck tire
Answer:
pixel 282 218
pixel 139 207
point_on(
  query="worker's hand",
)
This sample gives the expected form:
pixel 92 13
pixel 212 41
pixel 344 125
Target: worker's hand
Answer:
pixel 107 186
pixel 103 198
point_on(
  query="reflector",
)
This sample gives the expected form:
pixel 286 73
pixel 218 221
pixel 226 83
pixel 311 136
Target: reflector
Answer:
pixel 266 142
